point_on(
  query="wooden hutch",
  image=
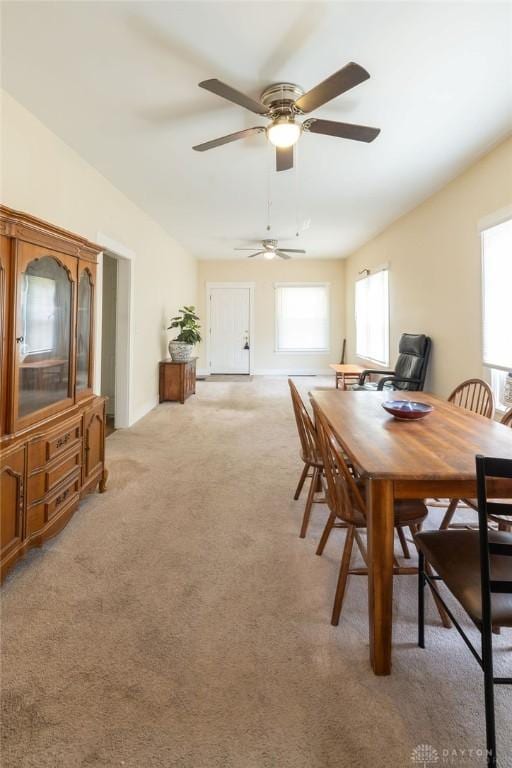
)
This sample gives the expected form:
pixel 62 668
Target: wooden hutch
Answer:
pixel 52 426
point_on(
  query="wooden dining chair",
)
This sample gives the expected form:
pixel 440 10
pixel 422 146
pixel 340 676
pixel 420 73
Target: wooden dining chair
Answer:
pixel 310 455
pixel 506 419
pixel 476 396
pixel 504 522
pixel 345 496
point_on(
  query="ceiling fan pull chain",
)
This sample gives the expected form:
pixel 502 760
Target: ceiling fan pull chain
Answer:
pixel 270 156
pixel 297 192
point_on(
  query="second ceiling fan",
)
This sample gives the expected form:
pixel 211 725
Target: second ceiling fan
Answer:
pixel 271 249
pixel 282 103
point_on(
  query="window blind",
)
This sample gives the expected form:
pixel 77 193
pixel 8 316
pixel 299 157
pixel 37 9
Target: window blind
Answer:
pixel 302 318
pixel 497 279
pixel 372 317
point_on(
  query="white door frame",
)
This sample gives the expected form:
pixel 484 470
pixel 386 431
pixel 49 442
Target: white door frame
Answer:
pixel 250 286
pixel 125 327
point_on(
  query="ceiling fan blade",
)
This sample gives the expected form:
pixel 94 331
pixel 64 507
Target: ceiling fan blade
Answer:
pixel 292 250
pixel 231 94
pixel 227 139
pixel 255 254
pixel 343 80
pixel 244 249
pixel 342 130
pixel 284 158
pixel 282 254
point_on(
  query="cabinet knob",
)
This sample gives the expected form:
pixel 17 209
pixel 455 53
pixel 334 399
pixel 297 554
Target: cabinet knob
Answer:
pixel 20 339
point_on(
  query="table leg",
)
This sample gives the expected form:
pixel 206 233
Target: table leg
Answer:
pixel 380 572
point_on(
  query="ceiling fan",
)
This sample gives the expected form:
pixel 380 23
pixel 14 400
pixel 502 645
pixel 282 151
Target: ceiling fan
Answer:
pixel 283 102
pixel 270 250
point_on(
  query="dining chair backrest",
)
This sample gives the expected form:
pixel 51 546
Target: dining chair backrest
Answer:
pixel 305 427
pixel 474 395
pixel 506 419
pixel 492 468
pixel 343 495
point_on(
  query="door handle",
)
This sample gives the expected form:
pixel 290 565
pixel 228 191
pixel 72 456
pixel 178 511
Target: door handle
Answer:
pixel 20 339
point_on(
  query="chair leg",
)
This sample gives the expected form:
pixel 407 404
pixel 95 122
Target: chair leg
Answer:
pixel 421 599
pixel 445 619
pixel 362 548
pixel 343 574
pixel 448 515
pixel 326 533
pixel 403 542
pixel 309 503
pixel 301 481
pixel 490 727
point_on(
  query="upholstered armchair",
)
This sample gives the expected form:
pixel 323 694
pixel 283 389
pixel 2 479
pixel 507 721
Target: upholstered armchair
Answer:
pixel 410 369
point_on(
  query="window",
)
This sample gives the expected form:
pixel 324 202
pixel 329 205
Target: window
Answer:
pixel 497 336
pixel 39 314
pixel 372 317
pixel 302 317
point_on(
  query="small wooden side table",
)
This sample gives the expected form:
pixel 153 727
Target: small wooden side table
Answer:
pixel 347 374
pixel 177 380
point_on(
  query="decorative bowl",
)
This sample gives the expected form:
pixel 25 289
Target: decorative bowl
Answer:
pixel 407 410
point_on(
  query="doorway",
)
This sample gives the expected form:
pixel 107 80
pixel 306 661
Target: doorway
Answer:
pixel 108 338
pixel 230 307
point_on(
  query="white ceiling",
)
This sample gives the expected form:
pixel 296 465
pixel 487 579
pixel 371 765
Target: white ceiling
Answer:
pixel 118 82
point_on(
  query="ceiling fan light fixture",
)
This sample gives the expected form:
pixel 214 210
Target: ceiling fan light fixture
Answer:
pixel 269 255
pixel 284 132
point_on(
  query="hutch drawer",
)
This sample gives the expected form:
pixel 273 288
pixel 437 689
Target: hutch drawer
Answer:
pixel 44 481
pixel 64 495
pixel 54 443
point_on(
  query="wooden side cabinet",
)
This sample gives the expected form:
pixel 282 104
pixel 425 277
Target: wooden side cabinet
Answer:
pixel 177 380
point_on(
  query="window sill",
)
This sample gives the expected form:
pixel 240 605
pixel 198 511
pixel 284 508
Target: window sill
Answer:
pixel 302 351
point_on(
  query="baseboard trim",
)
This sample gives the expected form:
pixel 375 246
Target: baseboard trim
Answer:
pixel 281 372
pixel 293 372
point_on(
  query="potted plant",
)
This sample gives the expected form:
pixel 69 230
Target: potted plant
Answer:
pixel 181 347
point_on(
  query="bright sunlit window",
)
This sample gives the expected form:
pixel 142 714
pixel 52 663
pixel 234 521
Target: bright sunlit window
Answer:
pixel 372 317
pixel 39 314
pixel 302 317
pixel 497 336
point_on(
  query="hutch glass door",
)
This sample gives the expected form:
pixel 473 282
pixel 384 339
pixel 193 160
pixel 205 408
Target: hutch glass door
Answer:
pixel 84 332
pixel 44 340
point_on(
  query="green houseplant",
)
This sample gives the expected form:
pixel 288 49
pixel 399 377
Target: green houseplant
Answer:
pixel 187 321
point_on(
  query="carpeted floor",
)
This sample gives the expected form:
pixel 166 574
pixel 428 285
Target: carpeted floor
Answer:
pixel 179 621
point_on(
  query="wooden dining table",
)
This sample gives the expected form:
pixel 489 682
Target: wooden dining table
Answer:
pixel 431 457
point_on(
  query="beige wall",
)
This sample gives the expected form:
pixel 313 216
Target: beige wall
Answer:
pixel 434 258
pixel 41 175
pixel 264 274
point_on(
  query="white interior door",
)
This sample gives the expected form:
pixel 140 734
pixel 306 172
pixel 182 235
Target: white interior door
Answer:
pixel 230 313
